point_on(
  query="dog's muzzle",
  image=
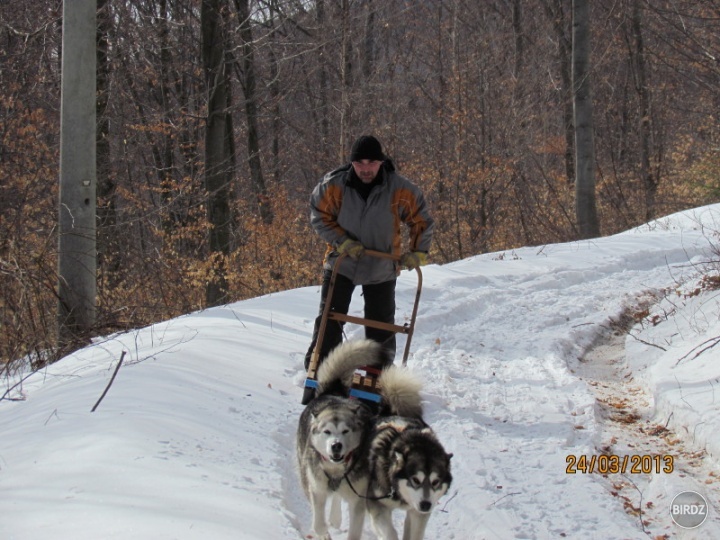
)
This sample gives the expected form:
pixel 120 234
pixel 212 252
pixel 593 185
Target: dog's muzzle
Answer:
pixel 336 452
pixel 337 455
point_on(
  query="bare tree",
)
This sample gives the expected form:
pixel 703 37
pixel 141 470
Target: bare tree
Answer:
pixel 109 257
pixel 249 85
pixel 557 14
pixel 585 207
pixel 649 179
pixel 346 82
pixel 218 147
pixel 322 90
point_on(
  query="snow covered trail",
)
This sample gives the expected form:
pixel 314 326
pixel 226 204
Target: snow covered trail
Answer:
pixel 628 427
pixel 509 397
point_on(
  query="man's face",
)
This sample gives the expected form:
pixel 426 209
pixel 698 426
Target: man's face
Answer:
pixel 366 169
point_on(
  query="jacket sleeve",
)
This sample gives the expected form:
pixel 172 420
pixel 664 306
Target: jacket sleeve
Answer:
pixel 325 203
pixel 415 214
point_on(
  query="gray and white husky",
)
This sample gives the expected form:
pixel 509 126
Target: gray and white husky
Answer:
pixel 409 468
pixel 332 438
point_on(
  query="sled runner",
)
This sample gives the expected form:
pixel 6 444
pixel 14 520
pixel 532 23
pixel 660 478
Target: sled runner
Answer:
pixel 364 384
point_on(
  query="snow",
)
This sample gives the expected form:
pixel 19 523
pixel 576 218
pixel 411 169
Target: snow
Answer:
pixel 529 358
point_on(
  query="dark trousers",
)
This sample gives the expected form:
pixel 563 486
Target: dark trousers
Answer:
pixel 379 306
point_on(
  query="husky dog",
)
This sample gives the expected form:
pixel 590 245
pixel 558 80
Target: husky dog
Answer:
pixel 409 468
pixel 332 438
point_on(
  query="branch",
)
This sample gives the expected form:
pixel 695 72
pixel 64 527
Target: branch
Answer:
pixel 505 497
pixel 13 387
pixel 117 368
pixel 712 342
pixel 640 503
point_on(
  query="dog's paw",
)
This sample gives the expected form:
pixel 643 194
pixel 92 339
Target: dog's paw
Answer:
pixel 320 536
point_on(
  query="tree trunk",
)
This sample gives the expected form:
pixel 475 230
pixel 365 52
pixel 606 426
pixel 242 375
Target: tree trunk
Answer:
pixel 366 87
pixel 649 181
pixel 108 248
pixel 218 163
pixel 585 209
pixel 345 83
pixel 323 91
pixel 77 258
pixel 554 9
pixel 165 141
pixel 369 41
pixel 274 88
pixel 251 111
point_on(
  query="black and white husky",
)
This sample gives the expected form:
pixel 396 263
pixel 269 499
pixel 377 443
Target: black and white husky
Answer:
pixel 381 460
pixel 333 436
pixel 409 468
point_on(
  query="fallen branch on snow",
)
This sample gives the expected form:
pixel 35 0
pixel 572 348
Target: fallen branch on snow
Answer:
pixel 117 368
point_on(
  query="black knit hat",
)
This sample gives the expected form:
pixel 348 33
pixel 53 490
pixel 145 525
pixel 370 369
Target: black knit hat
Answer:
pixel 367 147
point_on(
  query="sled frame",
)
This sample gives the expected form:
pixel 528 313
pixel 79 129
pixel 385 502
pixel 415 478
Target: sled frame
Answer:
pixel 327 314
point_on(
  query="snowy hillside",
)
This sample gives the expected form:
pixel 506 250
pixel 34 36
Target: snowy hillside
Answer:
pixel 532 359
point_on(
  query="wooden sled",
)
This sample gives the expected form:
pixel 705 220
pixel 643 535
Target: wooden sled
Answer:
pixel 365 380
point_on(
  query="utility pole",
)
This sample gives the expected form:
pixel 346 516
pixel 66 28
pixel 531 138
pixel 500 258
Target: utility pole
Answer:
pixel 77 258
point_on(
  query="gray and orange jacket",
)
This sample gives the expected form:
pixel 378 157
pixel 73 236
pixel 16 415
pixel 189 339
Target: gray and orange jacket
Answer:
pixel 339 212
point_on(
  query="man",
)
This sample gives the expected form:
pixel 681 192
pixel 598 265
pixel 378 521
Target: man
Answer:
pixel 361 206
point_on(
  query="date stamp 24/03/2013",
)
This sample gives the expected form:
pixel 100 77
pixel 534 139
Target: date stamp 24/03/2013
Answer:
pixel 614 464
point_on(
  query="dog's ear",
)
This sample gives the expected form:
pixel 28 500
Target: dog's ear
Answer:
pixel 398 459
pixel 355 405
pixel 361 411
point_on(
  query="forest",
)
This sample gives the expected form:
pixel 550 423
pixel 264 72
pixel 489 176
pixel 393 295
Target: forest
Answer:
pixel 473 101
